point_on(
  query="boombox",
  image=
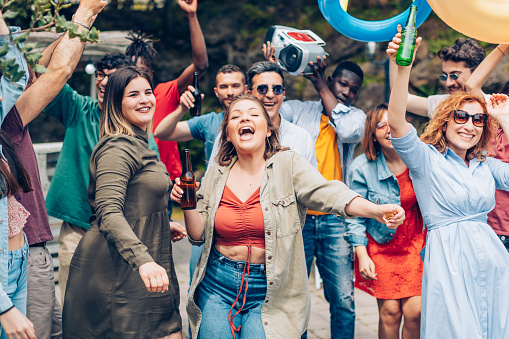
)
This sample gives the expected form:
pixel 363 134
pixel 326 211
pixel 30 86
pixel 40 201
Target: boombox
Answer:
pixel 295 48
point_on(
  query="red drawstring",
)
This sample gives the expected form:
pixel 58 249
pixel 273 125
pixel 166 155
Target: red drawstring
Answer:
pixel 230 318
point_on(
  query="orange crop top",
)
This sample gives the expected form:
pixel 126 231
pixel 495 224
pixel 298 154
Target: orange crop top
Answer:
pixel 239 223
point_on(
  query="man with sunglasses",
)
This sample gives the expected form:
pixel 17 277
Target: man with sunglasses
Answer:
pixel 335 126
pixel 80 115
pixel 458 63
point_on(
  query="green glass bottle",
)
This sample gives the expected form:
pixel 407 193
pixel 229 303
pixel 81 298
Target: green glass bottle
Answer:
pixel 408 35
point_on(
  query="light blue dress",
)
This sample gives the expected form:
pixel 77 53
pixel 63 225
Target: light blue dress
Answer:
pixel 465 287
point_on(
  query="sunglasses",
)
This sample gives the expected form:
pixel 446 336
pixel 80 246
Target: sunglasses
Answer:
pixel 382 126
pixel 264 89
pixel 453 76
pixel 461 117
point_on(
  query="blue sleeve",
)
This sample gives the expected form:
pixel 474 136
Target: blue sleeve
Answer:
pixel 8 91
pixel 500 172
pixel 197 126
pixel 415 154
pixel 349 123
pixel 356 228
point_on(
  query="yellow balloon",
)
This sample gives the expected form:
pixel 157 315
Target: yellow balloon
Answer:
pixel 485 20
pixel 344 4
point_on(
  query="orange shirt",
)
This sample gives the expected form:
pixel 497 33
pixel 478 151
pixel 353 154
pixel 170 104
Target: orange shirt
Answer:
pixel 327 154
pixel 239 223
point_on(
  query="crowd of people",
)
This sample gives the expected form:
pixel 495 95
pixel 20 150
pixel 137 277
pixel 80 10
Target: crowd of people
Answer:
pixel 417 222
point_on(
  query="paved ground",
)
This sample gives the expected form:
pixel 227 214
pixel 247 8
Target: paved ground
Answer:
pixel 366 324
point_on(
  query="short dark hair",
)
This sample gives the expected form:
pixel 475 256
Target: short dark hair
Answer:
pixel 263 67
pixel 141 47
pixel 465 50
pixel 112 118
pixel 113 61
pixel 227 69
pixel 349 66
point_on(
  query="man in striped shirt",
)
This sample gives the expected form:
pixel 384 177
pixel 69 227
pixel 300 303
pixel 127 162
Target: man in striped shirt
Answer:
pixel 335 127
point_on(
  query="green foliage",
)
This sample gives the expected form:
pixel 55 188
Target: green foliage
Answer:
pixel 44 15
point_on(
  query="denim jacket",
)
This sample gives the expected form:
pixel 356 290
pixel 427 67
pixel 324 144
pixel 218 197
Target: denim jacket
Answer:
pixel 375 182
pixel 289 185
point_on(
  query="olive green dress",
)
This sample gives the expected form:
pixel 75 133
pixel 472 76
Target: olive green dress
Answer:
pixel 105 296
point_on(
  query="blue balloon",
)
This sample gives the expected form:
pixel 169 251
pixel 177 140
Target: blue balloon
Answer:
pixel 362 30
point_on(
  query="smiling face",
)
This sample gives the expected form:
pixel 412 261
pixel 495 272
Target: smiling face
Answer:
pixel 383 133
pixel 229 86
pixel 452 67
pixel 270 100
pixel 138 103
pixel 461 137
pixel 100 83
pixel 345 86
pixel 247 127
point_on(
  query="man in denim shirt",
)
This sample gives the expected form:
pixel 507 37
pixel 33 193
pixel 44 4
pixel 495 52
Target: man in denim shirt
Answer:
pixel 335 127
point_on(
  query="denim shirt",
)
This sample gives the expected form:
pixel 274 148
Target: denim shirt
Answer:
pixel 374 181
pixel 289 185
pixel 9 92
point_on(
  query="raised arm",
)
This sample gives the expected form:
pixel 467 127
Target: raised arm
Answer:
pixel 171 128
pixel 198 46
pixel 482 72
pixel 398 100
pixel 63 61
pixel 415 103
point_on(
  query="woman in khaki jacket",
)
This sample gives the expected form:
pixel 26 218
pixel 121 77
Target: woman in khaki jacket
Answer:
pixel 251 279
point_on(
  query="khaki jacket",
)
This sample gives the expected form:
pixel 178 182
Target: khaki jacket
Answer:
pixel 289 186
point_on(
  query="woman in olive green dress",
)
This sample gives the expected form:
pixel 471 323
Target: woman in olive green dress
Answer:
pixel 122 281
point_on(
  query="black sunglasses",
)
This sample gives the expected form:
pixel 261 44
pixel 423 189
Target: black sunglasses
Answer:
pixel 461 117
pixel 264 89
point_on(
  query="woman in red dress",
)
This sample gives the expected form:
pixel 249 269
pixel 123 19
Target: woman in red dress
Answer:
pixel 389 267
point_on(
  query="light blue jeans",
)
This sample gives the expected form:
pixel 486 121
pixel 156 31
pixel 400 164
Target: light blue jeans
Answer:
pixel 218 291
pixel 324 239
pixel 17 283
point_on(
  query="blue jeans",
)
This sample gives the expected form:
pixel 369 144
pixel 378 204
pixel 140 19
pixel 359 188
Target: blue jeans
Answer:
pixel 505 240
pixel 218 291
pixel 324 239
pixel 17 279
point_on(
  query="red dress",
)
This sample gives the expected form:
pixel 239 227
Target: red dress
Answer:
pixel 397 263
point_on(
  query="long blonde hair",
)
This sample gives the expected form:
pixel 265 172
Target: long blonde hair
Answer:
pixel 434 133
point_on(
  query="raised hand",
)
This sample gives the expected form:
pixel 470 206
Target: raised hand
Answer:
pixel 154 277
pixel 16 325
pixel 498 106
pixel 317 75
pixel 393 46
pixel 268 52
pixel 188 6
pixel 187 98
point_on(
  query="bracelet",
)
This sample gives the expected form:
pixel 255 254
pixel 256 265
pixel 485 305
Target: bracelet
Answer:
pixel 79 23
pixel 501 51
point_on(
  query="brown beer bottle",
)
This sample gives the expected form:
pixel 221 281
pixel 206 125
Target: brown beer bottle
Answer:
pixel 187 183
pixel 196 110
